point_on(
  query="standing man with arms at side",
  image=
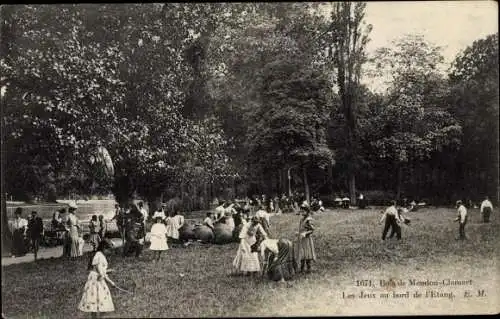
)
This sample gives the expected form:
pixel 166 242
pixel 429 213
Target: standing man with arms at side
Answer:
pixel 35 232
pixel 462 219
pixel 486 209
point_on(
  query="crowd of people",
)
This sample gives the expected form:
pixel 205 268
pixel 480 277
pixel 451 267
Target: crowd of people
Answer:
pixel 260 250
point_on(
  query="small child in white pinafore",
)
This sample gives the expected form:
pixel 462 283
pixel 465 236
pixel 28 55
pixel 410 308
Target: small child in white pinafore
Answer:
pixel 96 295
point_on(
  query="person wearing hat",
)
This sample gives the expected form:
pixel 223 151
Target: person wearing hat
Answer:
pixel 247 258
pixel 18 229
pixel 73 231
pixel 161 212
pixel 306 251
pixel 134 232
pixel 461 219
pixel 35 232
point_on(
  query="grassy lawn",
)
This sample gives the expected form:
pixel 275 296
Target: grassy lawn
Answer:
pixel 348 246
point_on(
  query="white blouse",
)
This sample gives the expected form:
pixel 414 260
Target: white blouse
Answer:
pixel 18 223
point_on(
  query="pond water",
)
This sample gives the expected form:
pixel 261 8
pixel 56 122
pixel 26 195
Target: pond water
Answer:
pixel 85 209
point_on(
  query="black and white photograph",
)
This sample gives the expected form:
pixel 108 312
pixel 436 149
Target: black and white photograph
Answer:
pixel 249 159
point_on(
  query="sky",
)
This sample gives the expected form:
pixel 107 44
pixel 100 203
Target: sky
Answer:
pixel 453 25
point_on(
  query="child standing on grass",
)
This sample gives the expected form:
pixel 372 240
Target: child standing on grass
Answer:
pixel 158 237
pixel 306 250
pixel 96 295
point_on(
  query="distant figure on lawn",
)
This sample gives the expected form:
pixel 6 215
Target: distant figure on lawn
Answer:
pixel 264 218
pixel 208 221
pixel 174 222
pixel 160 212
pixel 486 209
pixel 120 218
pixel 361 201
pixel 103 227
pixel 96 296
pixel 35 232
pixel 143 211
pixel 158 237
pixel 461 219
pixel 18 229
pixel 305 250
pixel 72 232
pixel 247 259
pixel 391 217
pixel 94 232
pixel 134 232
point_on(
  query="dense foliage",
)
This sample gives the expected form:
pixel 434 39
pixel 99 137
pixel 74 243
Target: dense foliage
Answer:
pixel 202 100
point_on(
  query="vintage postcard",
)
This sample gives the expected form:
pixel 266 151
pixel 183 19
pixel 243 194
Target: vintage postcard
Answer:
pixel 250 159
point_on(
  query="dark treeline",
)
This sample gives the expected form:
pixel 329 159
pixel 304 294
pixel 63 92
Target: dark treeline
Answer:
pixel 197 101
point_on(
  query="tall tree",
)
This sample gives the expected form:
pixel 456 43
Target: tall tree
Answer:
pixel 290 128
pixel 98 76
pixel 475 100
pixel 413 123
pixel 349 35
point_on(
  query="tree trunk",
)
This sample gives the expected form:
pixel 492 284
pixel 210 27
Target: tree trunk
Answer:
pixel 399 169
pixel 6 235
pixel 352 188
pixel 123 190
pixel 306 185
pixel 154 203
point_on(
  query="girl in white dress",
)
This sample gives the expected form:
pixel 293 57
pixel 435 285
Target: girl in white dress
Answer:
pixel 158 237
pixel 246 260
pixel 96 295
pixel 174 223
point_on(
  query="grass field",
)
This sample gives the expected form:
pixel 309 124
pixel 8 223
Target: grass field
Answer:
pixel 348 247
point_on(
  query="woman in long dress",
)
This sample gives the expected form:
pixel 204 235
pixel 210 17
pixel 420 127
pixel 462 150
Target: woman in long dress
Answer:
pixel 96 295
pixel 306 251
pixel 73 231
pixel 19 226
pixel 246 260
pixel 158 237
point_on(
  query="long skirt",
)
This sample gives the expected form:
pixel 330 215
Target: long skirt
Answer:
pixel 305 249
pixel 66 245
pixel 96 295
pixel 94 240
pixel 74 240
pixel 284 263
pixel 245 260
pixel 18 243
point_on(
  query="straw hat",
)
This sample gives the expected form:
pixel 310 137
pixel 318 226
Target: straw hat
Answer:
pixel 72 205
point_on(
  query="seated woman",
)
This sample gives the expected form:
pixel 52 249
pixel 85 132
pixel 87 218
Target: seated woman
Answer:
pixel 278 257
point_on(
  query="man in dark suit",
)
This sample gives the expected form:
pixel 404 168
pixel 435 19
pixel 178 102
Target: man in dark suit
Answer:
pixel 35 232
